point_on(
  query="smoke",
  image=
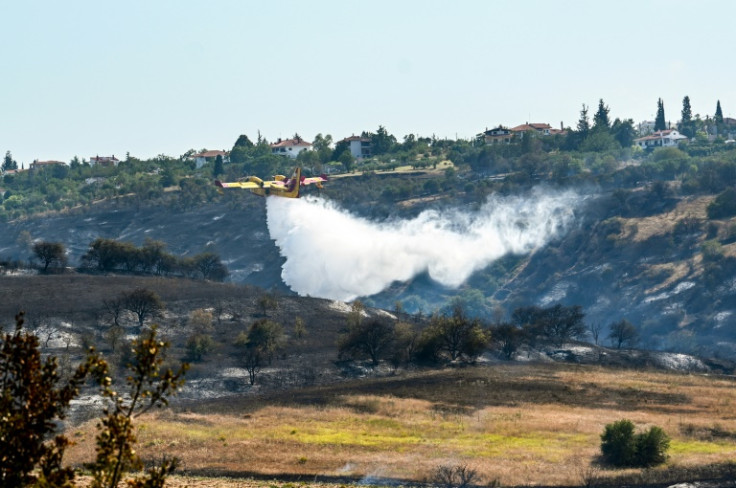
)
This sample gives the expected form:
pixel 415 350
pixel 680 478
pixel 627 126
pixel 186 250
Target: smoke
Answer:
pixel 331 253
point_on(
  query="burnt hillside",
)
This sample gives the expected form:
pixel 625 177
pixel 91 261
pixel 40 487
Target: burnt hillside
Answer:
pixel 633 255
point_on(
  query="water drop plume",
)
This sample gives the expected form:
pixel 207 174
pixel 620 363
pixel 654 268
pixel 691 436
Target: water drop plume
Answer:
pixel 331 253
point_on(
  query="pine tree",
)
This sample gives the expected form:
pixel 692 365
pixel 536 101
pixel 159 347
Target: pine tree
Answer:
pixel 719 113
pixel 583 123
pixel 600 119
pixel 243 141
pixel 659 122
pixel 9 163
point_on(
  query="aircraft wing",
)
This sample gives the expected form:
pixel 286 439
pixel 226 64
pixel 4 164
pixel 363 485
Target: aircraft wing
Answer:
pixel 318 180
pixel 248 185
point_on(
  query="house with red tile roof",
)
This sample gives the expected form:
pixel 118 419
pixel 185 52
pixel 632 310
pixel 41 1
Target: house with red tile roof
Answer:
pixel 290 147
pixel 503 135
pixel 104 160
pixel 36 164
pixel 540 128
pixel 499 135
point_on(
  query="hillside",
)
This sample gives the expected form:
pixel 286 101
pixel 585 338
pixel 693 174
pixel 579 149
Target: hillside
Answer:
pixel 311 416
pixel 518 425
pixel 635 254
pixel 653 269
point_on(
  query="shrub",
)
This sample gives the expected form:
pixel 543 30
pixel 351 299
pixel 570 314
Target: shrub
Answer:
pixel 712 251
pixel 652 446
pixel 621 447
pixel 617 443
pixel 198 346
pixel 454 476
pixel 724 205
pixel 33 401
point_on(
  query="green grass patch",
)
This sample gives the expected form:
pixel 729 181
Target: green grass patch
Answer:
pixel 678 447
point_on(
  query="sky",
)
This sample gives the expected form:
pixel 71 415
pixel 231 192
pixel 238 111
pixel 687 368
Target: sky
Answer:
pixel 148 77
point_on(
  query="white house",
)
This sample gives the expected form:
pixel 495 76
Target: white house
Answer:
pixel 104 160
pixel 360 147
pixel 499 135
pixel 290 147
pixel 646 127
pixel 504 135
pixel 661 138
pixel 201 158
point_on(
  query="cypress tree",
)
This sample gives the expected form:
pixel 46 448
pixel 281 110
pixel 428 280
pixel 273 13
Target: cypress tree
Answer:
pixel 719 113
pixel 686 117
pixel 659 123
pixel 219 168
pixel 583 124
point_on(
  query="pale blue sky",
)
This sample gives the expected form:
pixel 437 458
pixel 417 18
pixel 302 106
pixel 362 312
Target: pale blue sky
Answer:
pixel 149 77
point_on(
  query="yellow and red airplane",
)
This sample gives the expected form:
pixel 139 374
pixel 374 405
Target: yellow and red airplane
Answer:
pixel 280 186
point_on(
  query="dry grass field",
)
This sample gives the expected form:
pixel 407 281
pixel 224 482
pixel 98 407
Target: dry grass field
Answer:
pixel 518 424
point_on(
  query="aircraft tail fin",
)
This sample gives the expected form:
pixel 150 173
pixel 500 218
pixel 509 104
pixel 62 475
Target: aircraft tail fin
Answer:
pixel 298 181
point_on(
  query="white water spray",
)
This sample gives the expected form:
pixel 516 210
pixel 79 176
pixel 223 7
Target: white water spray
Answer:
pixel 331 253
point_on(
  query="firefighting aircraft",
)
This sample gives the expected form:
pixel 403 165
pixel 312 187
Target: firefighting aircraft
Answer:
pixel 280 186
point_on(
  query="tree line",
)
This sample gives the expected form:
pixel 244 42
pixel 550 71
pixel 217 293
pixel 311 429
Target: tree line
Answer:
pixel 110 255
pixel 454 336
pixel 592 150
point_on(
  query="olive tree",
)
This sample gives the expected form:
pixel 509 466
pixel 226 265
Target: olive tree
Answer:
pixel 372 339
pixel 50 254
pixel 623 333
pixel 258 345
pixel 144 303
pixel 458 335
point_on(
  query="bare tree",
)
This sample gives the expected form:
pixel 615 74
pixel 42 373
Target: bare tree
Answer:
pixel 623 333
pixel 114 307
pixel 454 476
pixel 595 331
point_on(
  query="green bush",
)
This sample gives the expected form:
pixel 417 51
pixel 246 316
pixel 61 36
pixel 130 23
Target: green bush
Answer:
pixel 617 443
pixel 621 447
pixel 198 346
pixel 651 447
pixel 723 206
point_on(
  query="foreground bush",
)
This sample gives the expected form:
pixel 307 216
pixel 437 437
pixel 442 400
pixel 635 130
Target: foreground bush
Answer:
pixel 621 447
pixel 33 399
